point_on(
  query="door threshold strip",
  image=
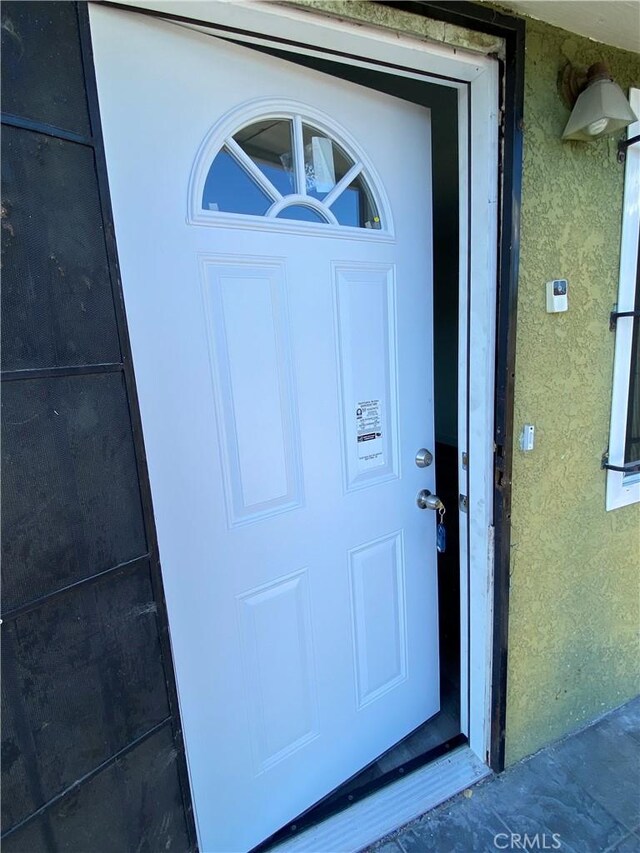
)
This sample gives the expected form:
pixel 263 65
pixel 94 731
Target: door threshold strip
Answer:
pixel 367 821
pixel 335 801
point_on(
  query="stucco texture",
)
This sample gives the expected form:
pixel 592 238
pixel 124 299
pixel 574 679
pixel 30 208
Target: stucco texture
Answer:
pixel 575 588
pixel 404 22
pixel 574 610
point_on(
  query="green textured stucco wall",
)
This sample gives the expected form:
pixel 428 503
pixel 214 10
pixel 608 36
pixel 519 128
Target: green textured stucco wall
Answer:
pixel 575 585
pixel 574 609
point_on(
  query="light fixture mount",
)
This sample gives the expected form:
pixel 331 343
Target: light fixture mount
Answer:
pixel 575 78
pixel 598 105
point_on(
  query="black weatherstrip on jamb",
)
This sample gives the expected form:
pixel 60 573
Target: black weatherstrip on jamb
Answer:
pixel 512 31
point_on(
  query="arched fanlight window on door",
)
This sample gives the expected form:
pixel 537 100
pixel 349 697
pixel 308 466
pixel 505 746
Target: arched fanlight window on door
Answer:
pixel 285 167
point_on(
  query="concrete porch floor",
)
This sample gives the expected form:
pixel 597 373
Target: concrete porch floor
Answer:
pixel 578 795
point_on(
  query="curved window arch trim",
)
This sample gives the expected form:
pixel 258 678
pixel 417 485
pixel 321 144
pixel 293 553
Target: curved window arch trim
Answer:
pixel 306 201
pixel 221 135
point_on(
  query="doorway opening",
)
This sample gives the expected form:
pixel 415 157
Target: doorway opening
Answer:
pixel 473 136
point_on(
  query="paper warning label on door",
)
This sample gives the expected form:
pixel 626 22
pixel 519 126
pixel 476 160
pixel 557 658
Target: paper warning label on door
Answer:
pixel 369 434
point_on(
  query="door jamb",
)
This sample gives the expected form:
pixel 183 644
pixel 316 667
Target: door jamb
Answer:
pixel 512 30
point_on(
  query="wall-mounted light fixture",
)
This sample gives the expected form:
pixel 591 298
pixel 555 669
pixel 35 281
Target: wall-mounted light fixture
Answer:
pixel 598 105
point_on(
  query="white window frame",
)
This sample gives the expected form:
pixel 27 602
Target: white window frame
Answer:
pixel 624 489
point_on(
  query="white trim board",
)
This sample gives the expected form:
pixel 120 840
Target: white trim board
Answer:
pixel 624 489
pixel 379 814
pixel 270 19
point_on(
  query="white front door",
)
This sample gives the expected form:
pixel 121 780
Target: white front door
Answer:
pixel 274 234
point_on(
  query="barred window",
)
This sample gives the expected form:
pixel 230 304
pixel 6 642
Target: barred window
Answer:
pixel 622 460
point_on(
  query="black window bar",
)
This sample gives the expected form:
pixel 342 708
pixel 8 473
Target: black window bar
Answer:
pixel 624 144
pixel 613 317
pixel 627 468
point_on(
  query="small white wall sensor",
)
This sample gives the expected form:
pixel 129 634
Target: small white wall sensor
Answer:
pixel 527 437
pixel 557 299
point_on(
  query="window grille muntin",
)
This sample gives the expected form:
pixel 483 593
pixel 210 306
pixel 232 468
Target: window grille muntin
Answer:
pixel 357 184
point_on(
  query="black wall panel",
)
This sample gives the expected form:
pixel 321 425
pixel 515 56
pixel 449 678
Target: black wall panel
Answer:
pixel 134 804
pixel 42 68
pixel 92 751
pixel 32 836
pixel 71 503
pixel 56 289
pixel 82 679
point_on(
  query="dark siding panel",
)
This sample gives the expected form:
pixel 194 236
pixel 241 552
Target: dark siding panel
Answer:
pixel 32 838
pixel 134 807
pixel 55 280
pixel 42 75
pixel 83 678
pixel 71 503
pixel 21 788
pixel 92 753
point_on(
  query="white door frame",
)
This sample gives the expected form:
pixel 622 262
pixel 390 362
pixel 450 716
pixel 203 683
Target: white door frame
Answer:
pixel 475 77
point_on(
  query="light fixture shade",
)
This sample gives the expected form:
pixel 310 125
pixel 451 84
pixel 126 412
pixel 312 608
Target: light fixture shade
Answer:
pixel 601 109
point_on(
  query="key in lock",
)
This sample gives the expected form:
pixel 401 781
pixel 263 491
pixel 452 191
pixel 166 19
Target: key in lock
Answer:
pixel 426 500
